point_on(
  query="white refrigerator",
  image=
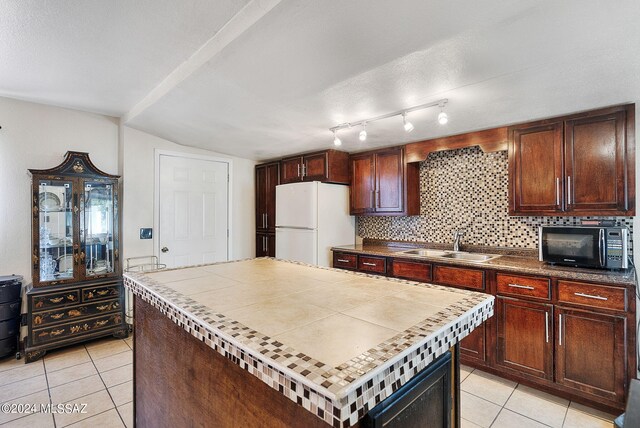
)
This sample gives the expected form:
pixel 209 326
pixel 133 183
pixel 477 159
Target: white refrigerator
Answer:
pixel 311 218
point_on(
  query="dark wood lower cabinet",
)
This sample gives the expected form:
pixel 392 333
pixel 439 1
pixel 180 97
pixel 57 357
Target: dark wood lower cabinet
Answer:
pixel 474 346
pixel 265 244
pixel 525 340
pixel 591 353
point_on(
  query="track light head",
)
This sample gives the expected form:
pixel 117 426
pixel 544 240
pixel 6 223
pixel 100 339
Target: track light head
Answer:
pixel 408 126
pixel 336 140
pixel 443 118
pixel 363 133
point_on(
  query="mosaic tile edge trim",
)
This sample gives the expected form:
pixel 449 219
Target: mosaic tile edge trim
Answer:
pixel 339 396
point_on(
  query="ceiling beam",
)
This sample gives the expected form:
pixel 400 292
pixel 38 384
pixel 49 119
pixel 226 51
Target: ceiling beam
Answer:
pixel 241 21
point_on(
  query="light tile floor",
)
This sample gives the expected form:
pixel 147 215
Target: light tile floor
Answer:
pixel 99 374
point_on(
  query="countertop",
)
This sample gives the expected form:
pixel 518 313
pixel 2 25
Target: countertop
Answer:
pixel 506 263
pixel 336 342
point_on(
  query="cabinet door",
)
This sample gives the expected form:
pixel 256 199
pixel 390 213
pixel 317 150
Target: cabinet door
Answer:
pixel 273 179
pixel 474 346
pixel 595 163
pixel 590 353
pixel 265 245
pixel 291 170
pixel 315 167
pixel 389 185
pixel 261 196
pixel 535 169
pixel 525 343
pixel 362 184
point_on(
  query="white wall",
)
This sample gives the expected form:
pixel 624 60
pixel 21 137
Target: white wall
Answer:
pixel 37 136
pixel 138 194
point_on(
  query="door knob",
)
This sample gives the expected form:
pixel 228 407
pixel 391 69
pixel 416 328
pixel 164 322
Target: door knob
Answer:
pixel 164 249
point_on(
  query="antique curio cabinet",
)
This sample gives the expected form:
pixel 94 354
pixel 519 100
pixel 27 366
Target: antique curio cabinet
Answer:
pixel 77 291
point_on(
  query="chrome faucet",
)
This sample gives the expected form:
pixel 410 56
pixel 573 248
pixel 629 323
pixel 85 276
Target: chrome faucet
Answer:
pixel 457 236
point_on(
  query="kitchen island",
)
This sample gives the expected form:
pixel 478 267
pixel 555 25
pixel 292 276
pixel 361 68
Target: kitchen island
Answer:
pixel 275 343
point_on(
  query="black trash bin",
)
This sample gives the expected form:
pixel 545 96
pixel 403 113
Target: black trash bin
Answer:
pixel 10 303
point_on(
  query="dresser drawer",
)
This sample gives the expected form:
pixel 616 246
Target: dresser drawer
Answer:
pixel 597 296
pixel 345 261
pixel 41 319
pixel 516 285
pixel 415 271
pixel 56 300
pixel 100 293
pixel 74 329
pixel 372 264
pixel 459 277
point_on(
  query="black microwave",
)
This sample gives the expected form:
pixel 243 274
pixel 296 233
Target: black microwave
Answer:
pixel 584 246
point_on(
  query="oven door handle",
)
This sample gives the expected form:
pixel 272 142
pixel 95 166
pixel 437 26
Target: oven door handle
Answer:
pixel 602 248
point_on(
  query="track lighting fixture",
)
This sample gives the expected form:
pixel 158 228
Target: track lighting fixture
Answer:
pixel 408 126
pixel 336 140
pixel 363 133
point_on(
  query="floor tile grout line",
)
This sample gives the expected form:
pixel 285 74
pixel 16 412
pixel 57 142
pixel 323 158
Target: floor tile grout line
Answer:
pixel 107 388
pixel 46 377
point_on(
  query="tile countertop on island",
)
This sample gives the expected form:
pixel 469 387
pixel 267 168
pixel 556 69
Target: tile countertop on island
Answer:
pixel 335 342
pixel 517 261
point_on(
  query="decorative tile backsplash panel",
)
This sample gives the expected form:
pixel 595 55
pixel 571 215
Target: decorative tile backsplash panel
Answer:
pixel 466 189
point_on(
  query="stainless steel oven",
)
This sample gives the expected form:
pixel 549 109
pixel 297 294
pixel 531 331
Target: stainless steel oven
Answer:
pixel 584 246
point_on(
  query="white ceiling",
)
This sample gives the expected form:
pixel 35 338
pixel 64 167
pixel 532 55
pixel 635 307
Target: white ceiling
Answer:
pixel 266 78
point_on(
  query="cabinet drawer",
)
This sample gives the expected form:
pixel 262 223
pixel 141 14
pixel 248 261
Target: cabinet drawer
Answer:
pixel 597 296
pixel 41 319
pixel 100 293
pixel 372 264
pixel 74 329
pixel 55 300
pixel 515 285
pixel 459 277
pixel 345 261
pixel 411 270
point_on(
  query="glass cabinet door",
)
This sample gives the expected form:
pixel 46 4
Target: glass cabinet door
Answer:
pixel 97 228
pixel 55 234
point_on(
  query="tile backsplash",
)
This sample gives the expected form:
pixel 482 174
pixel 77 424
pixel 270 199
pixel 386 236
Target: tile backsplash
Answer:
pixel 466 189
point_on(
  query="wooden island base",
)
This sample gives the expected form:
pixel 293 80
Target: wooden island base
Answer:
pixel 179 382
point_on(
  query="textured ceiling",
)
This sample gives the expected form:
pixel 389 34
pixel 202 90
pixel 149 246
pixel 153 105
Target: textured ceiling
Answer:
pixel 281 73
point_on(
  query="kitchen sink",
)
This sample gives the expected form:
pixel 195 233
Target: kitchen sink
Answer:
pixel 470 257
pixel 426 253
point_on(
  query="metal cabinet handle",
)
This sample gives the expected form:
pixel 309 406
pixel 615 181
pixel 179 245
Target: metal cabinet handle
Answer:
pixel 264 244
pixel 266 220
pixel 528 287
pixel 304 170
pixel 569 190
pixel 368 264
pixel 343 261
pixel 298 170
pixel 557 191
pixel 164 249
pixel 591 296
pixel 560 329
pixel 546 326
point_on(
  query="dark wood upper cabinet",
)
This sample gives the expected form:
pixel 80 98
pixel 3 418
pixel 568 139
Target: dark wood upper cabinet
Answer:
pixel 583 164
pixel 595 163
pixel 383 184
pixel 536 164
pixel 329 166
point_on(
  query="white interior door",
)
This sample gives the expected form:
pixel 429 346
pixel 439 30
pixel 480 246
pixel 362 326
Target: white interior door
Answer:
pixel 193 211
